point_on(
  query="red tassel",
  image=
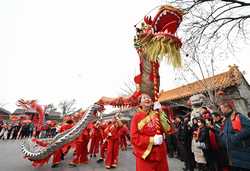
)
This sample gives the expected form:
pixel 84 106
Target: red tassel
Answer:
pixel 236 124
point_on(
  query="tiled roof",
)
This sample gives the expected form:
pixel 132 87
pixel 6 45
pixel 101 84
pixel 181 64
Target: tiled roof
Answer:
pixel 23 111
pixel 230 78
pixel 4 111
pixel 54 114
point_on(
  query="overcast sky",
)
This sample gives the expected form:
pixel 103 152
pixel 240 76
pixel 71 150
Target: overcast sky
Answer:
pixel 53 50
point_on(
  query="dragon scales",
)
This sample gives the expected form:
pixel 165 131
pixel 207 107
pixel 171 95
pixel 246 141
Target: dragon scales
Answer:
pixel 155 40
pixel 58 141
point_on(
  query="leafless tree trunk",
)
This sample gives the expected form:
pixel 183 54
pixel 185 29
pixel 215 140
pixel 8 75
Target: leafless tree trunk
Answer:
pixel 213 24
pixel 67 106
pixel 128 89
pixel 211 31
pixel 50 108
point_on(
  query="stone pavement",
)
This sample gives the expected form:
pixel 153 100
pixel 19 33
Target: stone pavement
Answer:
pixel 11 160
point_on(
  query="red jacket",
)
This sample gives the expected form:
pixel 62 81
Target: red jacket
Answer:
pixel 95 132
pixel 65 127
pixel 114 131
pixel 124 130
pixel 142 133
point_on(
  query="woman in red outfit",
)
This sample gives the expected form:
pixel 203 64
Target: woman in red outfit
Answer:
pixel 96 136
pixel 113 142
pixel 124 135
pixel 80 155
pixel 57 157
pixel 147 129
pixel 81 149
pixel 103 143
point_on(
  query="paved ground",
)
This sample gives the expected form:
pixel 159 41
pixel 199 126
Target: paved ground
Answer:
pixel 11 160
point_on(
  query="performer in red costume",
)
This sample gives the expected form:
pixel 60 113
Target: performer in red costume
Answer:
pixel 113 142
pixel 95 134
pixel 81 148
pixel 57 157
pixel 58 154
pixel 124 135
pixel 37 119
pixel 147 129
pixel 103 143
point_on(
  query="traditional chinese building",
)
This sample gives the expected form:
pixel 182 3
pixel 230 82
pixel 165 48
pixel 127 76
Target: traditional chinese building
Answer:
pixel 55 116
pixel 22 113
pixel 4 114
pixel 232 82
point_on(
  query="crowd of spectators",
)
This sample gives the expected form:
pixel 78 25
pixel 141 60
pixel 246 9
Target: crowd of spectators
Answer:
pixel 212 141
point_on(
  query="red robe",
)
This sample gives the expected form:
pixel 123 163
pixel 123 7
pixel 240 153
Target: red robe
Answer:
pixel 95 140
pixel 81 148
pixel 103 143
pixel 57 154
pixel 113 143
pixel 63 150
pixel 124 132
pixel 149 157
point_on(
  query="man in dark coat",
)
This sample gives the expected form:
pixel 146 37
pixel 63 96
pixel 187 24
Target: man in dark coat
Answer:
pixel 236 137
pixel 218 149
pixel 190 161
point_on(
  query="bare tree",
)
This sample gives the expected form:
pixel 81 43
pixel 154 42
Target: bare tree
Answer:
pixel 199 74
pixel 213 26
pixel 50 108
pixel 211 31
pixel 128 88
pixel 67 106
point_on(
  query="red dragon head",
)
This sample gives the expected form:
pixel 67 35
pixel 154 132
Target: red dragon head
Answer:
pixel 156 38
pixel 25 104
pixel 167 20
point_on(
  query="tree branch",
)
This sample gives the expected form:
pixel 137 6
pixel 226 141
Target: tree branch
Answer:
pixel 237 2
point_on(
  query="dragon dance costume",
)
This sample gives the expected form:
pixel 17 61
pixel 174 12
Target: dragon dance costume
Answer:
pixel 145 126
pixel 95 135
pixel 155 40
pixel 81 148
pixel 113 132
